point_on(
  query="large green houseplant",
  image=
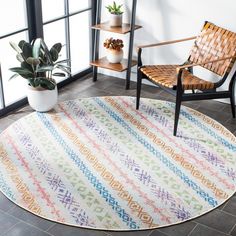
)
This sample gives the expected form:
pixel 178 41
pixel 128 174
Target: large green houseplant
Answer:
pixel 39 65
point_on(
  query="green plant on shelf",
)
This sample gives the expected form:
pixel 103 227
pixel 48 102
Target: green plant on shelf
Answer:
pixel 115 8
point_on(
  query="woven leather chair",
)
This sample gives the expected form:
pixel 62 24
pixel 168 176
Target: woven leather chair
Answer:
pixel 214 49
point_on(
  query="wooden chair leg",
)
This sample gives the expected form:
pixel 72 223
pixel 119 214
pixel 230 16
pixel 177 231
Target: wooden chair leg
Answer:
pixel 139 85
pixel 177 109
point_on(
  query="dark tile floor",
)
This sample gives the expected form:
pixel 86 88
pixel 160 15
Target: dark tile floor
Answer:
pixel 15 221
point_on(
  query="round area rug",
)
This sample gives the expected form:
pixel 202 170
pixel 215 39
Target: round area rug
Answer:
pixel 99 163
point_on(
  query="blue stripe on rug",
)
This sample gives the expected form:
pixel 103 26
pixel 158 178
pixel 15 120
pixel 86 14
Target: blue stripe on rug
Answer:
pixel 89 175
pixel 213 202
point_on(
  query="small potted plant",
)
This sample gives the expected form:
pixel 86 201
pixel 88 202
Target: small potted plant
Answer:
pixel 37 65
pixel 114 50
pixel 115 14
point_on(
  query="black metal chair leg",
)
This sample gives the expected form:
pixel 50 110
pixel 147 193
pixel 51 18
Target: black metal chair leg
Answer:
pixel 139 85
pixel 232 96
pixel 232 101
pixel 177 110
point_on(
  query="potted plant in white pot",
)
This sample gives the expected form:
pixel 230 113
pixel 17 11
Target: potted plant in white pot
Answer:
pixel 114 50
pixel 37 66
pixel 115 14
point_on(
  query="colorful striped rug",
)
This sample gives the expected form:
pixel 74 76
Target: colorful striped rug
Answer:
pixel 98 163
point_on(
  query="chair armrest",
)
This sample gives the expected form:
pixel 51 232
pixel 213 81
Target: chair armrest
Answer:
pixel 139 48
pixel 202 63
pixel 165 43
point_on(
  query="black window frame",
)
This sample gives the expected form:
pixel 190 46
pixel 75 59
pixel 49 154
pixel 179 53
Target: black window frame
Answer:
pixel 35 30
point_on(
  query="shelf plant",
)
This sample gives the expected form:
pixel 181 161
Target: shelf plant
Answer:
pixel 111 43
pixel 115 14
pixel 114 49
pixel 115 8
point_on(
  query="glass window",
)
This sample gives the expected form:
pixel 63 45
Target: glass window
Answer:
pixel 75 5
pixel 14 89
pixel 80 41
pixel 52 9
pixel 55 33
pixel 13 13
pixel 76 38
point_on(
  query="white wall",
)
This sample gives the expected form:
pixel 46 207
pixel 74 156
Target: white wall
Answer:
pixel 170 19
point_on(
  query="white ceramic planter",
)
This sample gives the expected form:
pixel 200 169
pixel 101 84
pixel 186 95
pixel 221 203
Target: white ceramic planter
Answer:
pixel 114 56
pixel 42 100
pixel 115 20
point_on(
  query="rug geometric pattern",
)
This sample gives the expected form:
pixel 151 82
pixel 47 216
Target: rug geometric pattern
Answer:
pixel 99 163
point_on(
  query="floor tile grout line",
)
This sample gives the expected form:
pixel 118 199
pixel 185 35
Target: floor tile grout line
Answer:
pixel 10 228
pixel 51 227
pixel 226 212
pixel 107 234
pixel 13 207
pixel 22 221
pixel 150 232
pixel 234 227
pixel 212 228
pixel 159 231
pixel 193 229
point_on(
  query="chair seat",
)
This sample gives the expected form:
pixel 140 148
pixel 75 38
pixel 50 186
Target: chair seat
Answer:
pixel 165 75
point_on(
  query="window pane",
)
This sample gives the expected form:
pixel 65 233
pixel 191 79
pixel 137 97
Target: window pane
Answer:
pixel 52 9
pixel 75 5
pixel 55 33
pixel 14 89
pixel 13 13
pixel 80 36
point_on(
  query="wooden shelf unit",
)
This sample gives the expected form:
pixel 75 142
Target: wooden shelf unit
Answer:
pixel 119 67
pixel 125 64
pixel 119 30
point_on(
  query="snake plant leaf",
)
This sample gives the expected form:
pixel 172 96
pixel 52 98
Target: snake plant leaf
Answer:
pixel 115 9
pixel 15 47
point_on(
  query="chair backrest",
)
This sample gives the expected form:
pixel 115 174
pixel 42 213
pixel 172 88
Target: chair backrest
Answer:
pixel 213 43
